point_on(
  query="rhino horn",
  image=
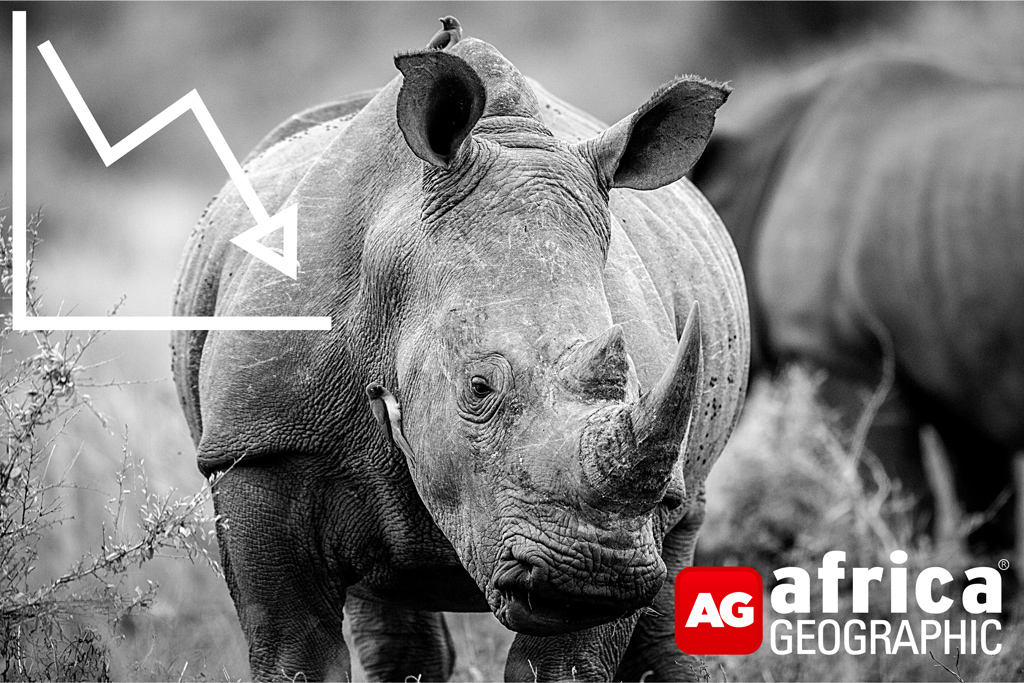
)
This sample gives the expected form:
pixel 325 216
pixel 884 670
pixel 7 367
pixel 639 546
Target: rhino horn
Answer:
pixel 628 452
pixel 601 368
pixel 661 417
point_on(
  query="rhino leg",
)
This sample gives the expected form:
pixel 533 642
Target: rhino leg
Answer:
pixel 289 606
pixel 398 644
pixel 588 655
pixel 652 653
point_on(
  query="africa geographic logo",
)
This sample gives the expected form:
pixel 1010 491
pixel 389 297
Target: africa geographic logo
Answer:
pixel 719 610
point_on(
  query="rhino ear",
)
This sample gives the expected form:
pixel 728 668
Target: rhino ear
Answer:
pixel 441 99
pixel 659 143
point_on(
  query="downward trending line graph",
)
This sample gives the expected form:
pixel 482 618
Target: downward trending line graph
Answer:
pixel 286 219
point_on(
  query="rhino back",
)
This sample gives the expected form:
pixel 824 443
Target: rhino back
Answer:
pixel 286 391
pixel 937 255
pixel 900 208
pixel 275 167
pixel 329 112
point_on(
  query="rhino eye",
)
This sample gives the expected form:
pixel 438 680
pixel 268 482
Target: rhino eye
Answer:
pixel 490 382
pixel 480 387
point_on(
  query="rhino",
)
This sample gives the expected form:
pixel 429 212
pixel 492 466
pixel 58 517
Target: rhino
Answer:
pixel 551 325
pixel 878 211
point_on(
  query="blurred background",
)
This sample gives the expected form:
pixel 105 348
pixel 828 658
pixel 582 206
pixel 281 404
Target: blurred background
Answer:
pixel 118 232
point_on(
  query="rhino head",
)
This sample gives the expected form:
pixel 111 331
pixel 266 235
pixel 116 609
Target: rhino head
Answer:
pixel 525 427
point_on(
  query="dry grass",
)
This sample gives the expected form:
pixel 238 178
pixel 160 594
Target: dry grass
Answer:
pixel 190 630
pixel 58 605
pixel 790 488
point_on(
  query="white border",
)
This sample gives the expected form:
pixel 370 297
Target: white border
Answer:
pixel 20 319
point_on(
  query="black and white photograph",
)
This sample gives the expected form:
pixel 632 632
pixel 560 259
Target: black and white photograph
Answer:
pixel 523 341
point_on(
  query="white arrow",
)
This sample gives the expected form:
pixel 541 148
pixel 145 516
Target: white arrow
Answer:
pixel 286 219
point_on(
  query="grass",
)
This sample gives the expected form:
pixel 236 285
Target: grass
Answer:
pixel 791 487
pixel 60 602
pixel 189 630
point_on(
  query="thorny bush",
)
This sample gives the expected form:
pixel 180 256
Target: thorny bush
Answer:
pixel 52 627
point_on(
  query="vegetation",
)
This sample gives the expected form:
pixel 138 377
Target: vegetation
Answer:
pixel 52 622
pixel 792 487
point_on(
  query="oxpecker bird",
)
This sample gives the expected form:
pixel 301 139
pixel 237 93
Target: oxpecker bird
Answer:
pixel 450 33
pixel 388 413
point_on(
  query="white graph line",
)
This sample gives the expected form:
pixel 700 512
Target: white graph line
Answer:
pixel 19 175
pixel 286 218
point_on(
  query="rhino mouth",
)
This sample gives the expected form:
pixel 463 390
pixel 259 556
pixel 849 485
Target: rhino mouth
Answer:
pixel 537 613
pixel 534 594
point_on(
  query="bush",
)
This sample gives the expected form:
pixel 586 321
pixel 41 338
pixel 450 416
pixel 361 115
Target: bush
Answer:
pixel 790 487
pixel 58 626
pixel 793 487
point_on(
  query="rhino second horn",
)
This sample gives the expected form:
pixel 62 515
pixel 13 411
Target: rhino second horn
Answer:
pixel 601 368
pixel 661 417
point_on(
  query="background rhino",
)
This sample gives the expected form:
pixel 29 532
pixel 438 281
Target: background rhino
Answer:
pixel 877 209
pixel 569 359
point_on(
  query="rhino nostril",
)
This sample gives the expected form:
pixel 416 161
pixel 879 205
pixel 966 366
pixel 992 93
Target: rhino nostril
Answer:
pixel 525 574
pixel 528 574
pixel 516 574
pixel 673 500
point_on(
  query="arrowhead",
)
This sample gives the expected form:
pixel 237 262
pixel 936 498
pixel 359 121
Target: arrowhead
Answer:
pixel 288 220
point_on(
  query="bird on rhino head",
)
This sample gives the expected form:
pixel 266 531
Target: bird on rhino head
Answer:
pixel 450 33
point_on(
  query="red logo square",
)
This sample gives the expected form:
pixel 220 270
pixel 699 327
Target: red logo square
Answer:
pixel 719 610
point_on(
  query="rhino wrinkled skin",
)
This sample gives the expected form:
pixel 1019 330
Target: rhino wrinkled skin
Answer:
pixel 562 320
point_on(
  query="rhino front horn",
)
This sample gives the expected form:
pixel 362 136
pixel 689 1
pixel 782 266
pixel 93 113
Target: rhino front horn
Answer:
pixel 662 416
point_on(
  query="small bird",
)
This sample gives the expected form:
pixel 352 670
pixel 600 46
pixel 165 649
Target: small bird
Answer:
pixel 388 413
pixel 450 33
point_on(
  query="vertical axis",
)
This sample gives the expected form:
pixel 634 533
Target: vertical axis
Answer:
pixel 19 175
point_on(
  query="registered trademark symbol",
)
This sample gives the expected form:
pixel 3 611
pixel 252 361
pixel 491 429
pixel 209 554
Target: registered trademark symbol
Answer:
pixel 1004 564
